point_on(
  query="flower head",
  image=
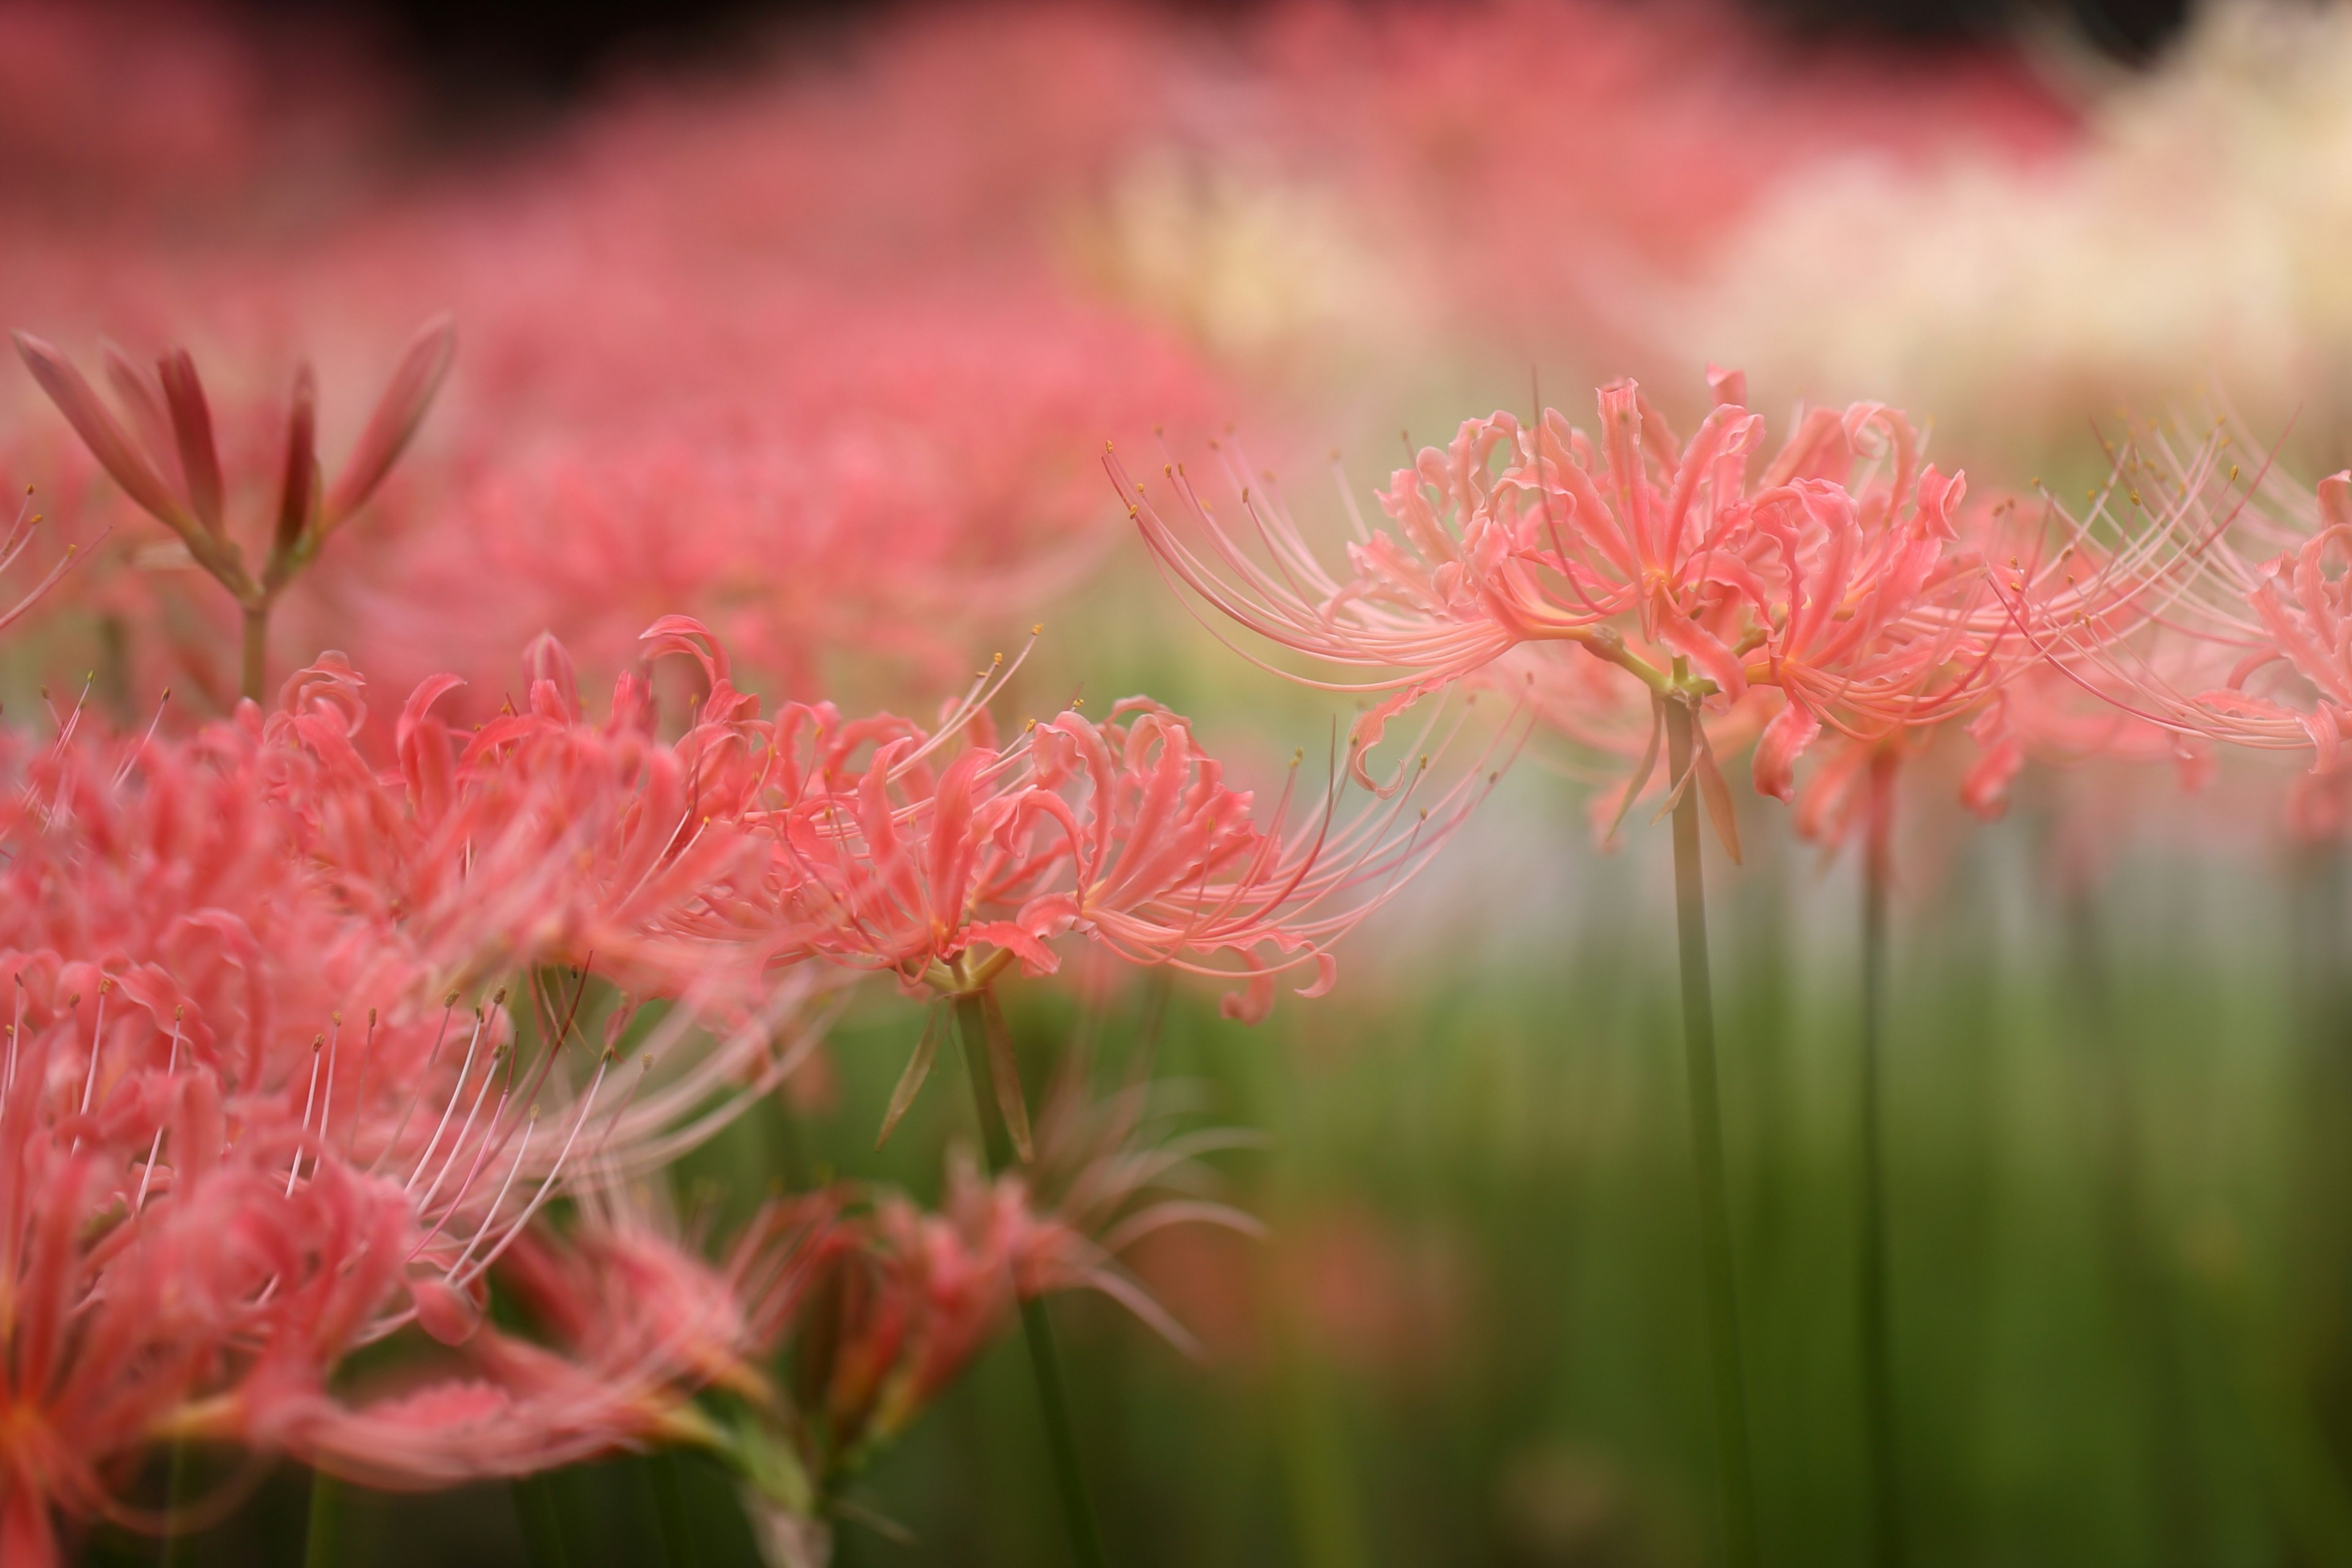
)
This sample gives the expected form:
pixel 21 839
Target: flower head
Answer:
pixel 1837 575
pixel 1124 831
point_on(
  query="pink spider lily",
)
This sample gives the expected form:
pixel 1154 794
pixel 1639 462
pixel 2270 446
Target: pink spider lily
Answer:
pixel 631 1325
pixel 136 1299
pixel 891 1302
pixel 280 881
pixel 539 837
pixel 1568 540
pixel 1124 831
pixel 225 946
pixel 1984 588
pixel 1836 575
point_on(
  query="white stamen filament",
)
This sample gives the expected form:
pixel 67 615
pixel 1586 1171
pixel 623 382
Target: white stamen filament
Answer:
pixel 465 1130
pixel 546 1187
pixel 464 1069
pixel 170 1067
pixel 90 1079
pixel 530 1130
pixel 309 1100
pixel 14 1030
pixel 327 1104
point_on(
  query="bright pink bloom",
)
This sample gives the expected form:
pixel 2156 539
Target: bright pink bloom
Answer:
pixel 197 927
pixel 1124 832
pixel 1836 574
pixel 138 1298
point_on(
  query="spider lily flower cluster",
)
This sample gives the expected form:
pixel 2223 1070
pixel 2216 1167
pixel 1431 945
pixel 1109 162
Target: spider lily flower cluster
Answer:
pixel 309 1030
pixel 272 1096
pixel 1124 831
pixel 1834 586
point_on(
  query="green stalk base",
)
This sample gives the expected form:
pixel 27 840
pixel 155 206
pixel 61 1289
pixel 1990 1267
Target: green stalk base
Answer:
pixel 1037 1325
pixel 1733 1467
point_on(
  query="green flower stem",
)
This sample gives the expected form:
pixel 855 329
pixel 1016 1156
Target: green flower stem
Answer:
pixel 669 1510
pixel 254 661
pixel 1037 1327
pixel 174 1551
pixel 322 1540
pixel 1888 1536
pixel 2147 1295
pixel 543 1523
pixel 1734 1470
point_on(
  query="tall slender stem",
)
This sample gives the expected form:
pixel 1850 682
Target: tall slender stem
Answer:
pixel 2147 1295
pixel 322 1539
pixel 255 669
pixel 173 1551
pixel 1707 1147
pixel 1037 1327
pixel 1887 1541
pixel 670 1511
pixel 543 1523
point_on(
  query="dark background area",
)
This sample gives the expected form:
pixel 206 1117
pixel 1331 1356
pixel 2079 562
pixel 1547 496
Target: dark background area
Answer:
pixel 542 47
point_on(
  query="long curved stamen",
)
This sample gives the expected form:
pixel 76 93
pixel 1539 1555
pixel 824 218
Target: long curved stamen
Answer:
pixel 294 1171
pixel 170 1066
pixel 449 1107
